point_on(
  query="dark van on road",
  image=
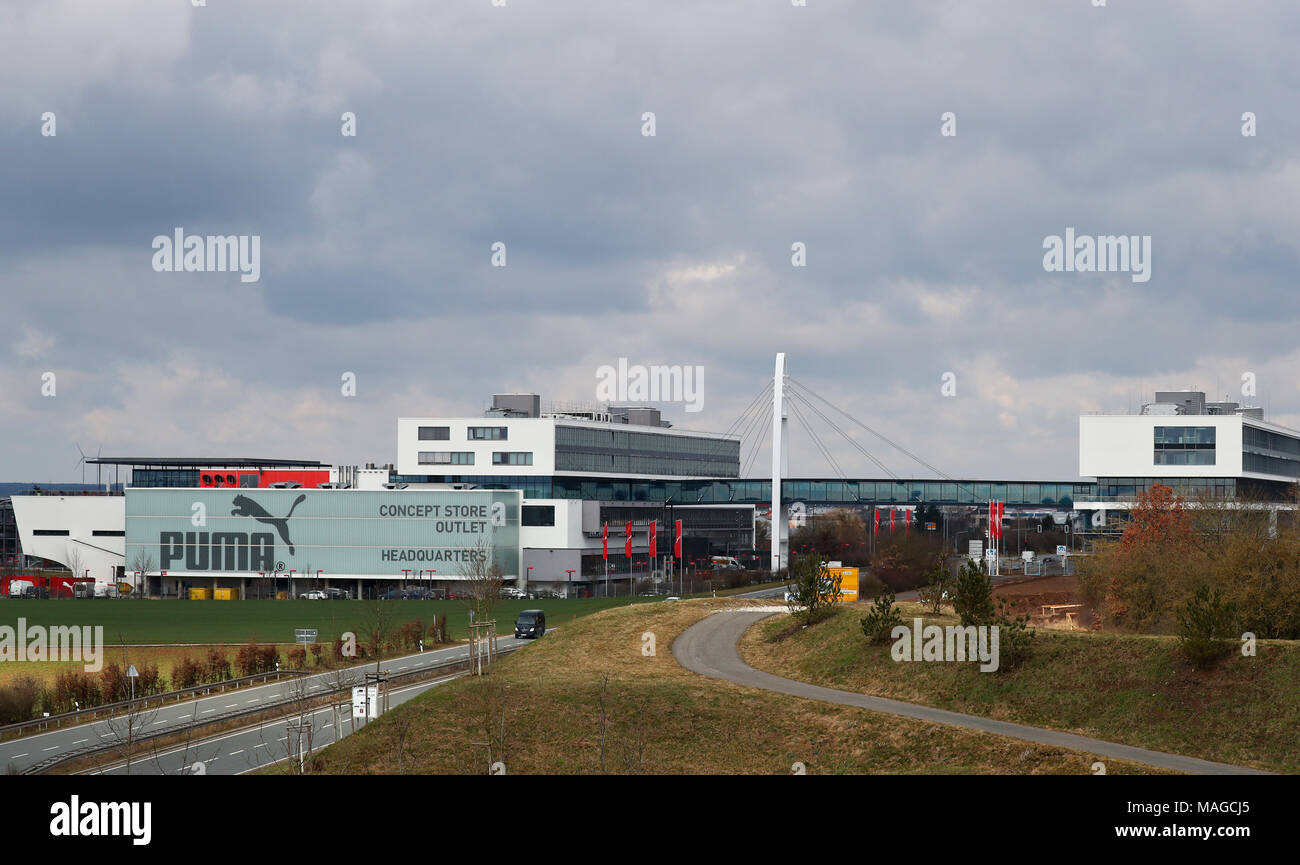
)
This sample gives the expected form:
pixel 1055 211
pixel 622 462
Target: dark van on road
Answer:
pixel 531 624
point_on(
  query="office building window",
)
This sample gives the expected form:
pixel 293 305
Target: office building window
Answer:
pixel 512 458
pixel 538 515
pixel 446 458
pixel 435 433
pixel 1184 446
pixel 51 533
pixel 487 433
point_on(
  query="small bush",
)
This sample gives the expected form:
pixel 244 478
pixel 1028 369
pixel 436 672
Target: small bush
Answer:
pixel 19 699
pixel 972 596
pixel 186 673
pixel 1014 638
pixel 72 687
pixel 1206 628
pixel 216 666
pixel 113 684
pixel 317 651
pixel 939 588
pixel 812 588
pixel 881 619
pixel 297 657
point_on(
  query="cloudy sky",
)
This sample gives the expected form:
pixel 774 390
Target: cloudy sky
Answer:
pixel 523 124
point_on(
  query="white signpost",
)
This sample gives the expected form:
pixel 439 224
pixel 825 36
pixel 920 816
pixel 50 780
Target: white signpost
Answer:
pixel 363 701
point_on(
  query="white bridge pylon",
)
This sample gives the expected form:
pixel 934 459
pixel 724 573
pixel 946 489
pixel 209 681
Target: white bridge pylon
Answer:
pixel 780 527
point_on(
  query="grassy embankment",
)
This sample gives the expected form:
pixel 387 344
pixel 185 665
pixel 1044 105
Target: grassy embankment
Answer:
pixel 551 694
pixel 1122 688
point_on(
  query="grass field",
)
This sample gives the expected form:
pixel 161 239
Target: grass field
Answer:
pixel 1130 689
pixel 660 718
pixel 174 621
pixel 142 625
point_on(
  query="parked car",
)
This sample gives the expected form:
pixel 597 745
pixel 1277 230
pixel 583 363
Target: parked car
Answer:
pixel 337 594
pixel 314 595
pixel 531 624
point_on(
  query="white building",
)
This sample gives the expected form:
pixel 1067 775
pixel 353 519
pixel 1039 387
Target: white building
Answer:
pixel 1198 448
pixel 89 530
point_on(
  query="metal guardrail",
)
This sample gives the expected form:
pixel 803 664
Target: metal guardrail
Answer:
pixel 109 710
pixel 59 759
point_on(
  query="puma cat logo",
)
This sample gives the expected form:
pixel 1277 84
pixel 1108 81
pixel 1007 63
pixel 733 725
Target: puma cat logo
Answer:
pixel 246 507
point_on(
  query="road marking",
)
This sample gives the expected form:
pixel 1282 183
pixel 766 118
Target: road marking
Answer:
pixel 163 721
pixel 254 700
pixel 205 711
pixel 16 756
pixel 231 706
pixel 240 751
pixel 79 741
pixel 51 748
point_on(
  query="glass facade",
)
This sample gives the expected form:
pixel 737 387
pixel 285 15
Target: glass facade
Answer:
pixel 756 491
pixel 1269 452
pixel 446 458
pixel 487 433
pixel 1128 488
pixel 164 477
pixel 512 458
pixel 435 433
pixel 1184 445
pixel 584 449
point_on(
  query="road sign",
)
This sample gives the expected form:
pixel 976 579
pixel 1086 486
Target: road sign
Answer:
pixel 976 549
pixel 360 703
pixel 990 553
pixel 1060 549
pixel 304 635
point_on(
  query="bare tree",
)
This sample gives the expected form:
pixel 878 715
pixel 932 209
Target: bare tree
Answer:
pixel 142 564
pixel 490 723
pixel 483 580
pixel 76 564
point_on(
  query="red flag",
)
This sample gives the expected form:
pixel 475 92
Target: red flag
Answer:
pixel 627 546
pixel 907 524
pixel 875 514
pixel 654 538
pixel 604 543
pixel 677 545
pixel 1000 506
pixel 891 521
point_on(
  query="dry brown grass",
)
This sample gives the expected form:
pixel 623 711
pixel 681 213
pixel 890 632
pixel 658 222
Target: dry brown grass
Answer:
pixel 689 724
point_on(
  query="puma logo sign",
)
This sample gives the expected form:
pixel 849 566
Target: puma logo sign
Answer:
pixel 246 507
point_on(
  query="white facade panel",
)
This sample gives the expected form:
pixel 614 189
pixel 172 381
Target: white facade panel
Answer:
pixel 81 517
pixel 528 435
pixel 1124 446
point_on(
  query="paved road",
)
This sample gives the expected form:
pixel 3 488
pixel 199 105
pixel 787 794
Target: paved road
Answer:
pixel 709 648
pixel 20 753
pixel 252 748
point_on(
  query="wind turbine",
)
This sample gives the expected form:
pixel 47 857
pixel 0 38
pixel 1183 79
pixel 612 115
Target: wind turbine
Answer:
pixel 81 464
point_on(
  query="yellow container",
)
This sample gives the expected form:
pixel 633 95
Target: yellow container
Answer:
pixel 225 594
pixel 848 583
pixel 199 594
